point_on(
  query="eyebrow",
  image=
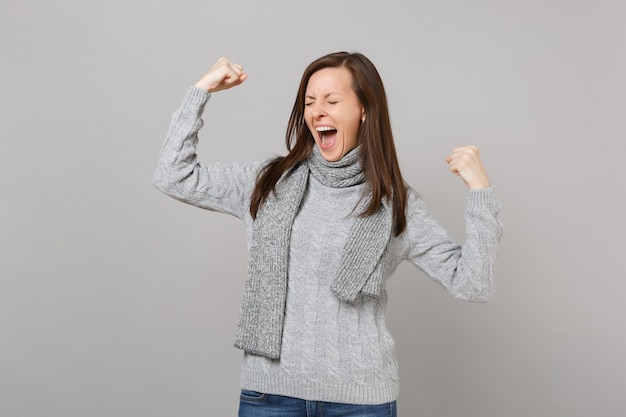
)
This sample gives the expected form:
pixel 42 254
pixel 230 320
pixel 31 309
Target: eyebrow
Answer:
pixel 325 96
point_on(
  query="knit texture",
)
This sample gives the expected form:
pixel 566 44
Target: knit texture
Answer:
pixel 331 350
pixel 260 326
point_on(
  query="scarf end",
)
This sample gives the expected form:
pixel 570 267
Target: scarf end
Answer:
pixel 349 295
pixel 350 298
pixel 347 288
pixel 267 352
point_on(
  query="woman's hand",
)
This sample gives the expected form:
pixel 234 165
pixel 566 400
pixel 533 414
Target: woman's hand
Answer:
pixel 222 76
pixel 465 162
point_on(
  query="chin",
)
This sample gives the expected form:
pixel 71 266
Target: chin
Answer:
pixel 331 156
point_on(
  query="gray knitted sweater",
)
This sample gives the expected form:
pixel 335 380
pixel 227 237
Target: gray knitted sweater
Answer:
pixel 331 350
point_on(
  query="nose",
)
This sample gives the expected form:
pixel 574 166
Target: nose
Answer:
pixel 317 111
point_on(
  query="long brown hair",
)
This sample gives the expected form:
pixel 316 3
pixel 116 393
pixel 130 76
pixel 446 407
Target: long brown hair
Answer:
pixel 378 153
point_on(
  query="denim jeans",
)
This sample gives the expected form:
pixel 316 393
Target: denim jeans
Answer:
pixel 256 404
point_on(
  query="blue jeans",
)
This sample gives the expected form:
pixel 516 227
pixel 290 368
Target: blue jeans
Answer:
pixel 256 404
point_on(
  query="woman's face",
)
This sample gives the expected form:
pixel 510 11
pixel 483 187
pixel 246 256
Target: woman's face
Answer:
pixel 333 112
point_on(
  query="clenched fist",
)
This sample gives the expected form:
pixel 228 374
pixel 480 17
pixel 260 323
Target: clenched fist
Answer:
pixel 465 162
pixel 222 76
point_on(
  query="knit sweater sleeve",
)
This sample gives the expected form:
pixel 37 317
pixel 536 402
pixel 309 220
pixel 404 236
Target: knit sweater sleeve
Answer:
pixel 466 271
pixel 220 187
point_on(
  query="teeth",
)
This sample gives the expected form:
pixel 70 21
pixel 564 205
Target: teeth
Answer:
pixel 324 128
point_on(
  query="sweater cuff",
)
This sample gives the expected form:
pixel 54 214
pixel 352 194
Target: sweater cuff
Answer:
pixel 485 197
pixel 196 97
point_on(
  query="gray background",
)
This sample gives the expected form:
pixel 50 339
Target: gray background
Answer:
pixel 118 301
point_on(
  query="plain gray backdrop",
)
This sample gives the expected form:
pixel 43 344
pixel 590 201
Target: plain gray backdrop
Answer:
pixel 118 301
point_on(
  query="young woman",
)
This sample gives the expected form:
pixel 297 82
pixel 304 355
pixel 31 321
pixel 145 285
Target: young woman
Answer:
pixel 326 226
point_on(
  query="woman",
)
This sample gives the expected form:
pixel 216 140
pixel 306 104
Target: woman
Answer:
pixel 326 226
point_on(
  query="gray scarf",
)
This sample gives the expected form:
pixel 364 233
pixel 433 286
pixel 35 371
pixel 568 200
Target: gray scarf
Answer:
pixel 260 326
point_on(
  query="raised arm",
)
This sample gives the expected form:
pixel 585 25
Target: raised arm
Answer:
pixel 178 173
pixel 466 271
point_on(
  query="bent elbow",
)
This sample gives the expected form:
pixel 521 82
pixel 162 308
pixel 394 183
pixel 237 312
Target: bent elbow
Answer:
pixel 164 183
pixel 483 297
pixel 481 294
pixel 160 182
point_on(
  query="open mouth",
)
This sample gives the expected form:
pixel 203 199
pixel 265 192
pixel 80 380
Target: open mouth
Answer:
pixel 327 135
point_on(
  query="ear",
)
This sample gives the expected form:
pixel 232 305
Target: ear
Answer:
pixel 362 115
